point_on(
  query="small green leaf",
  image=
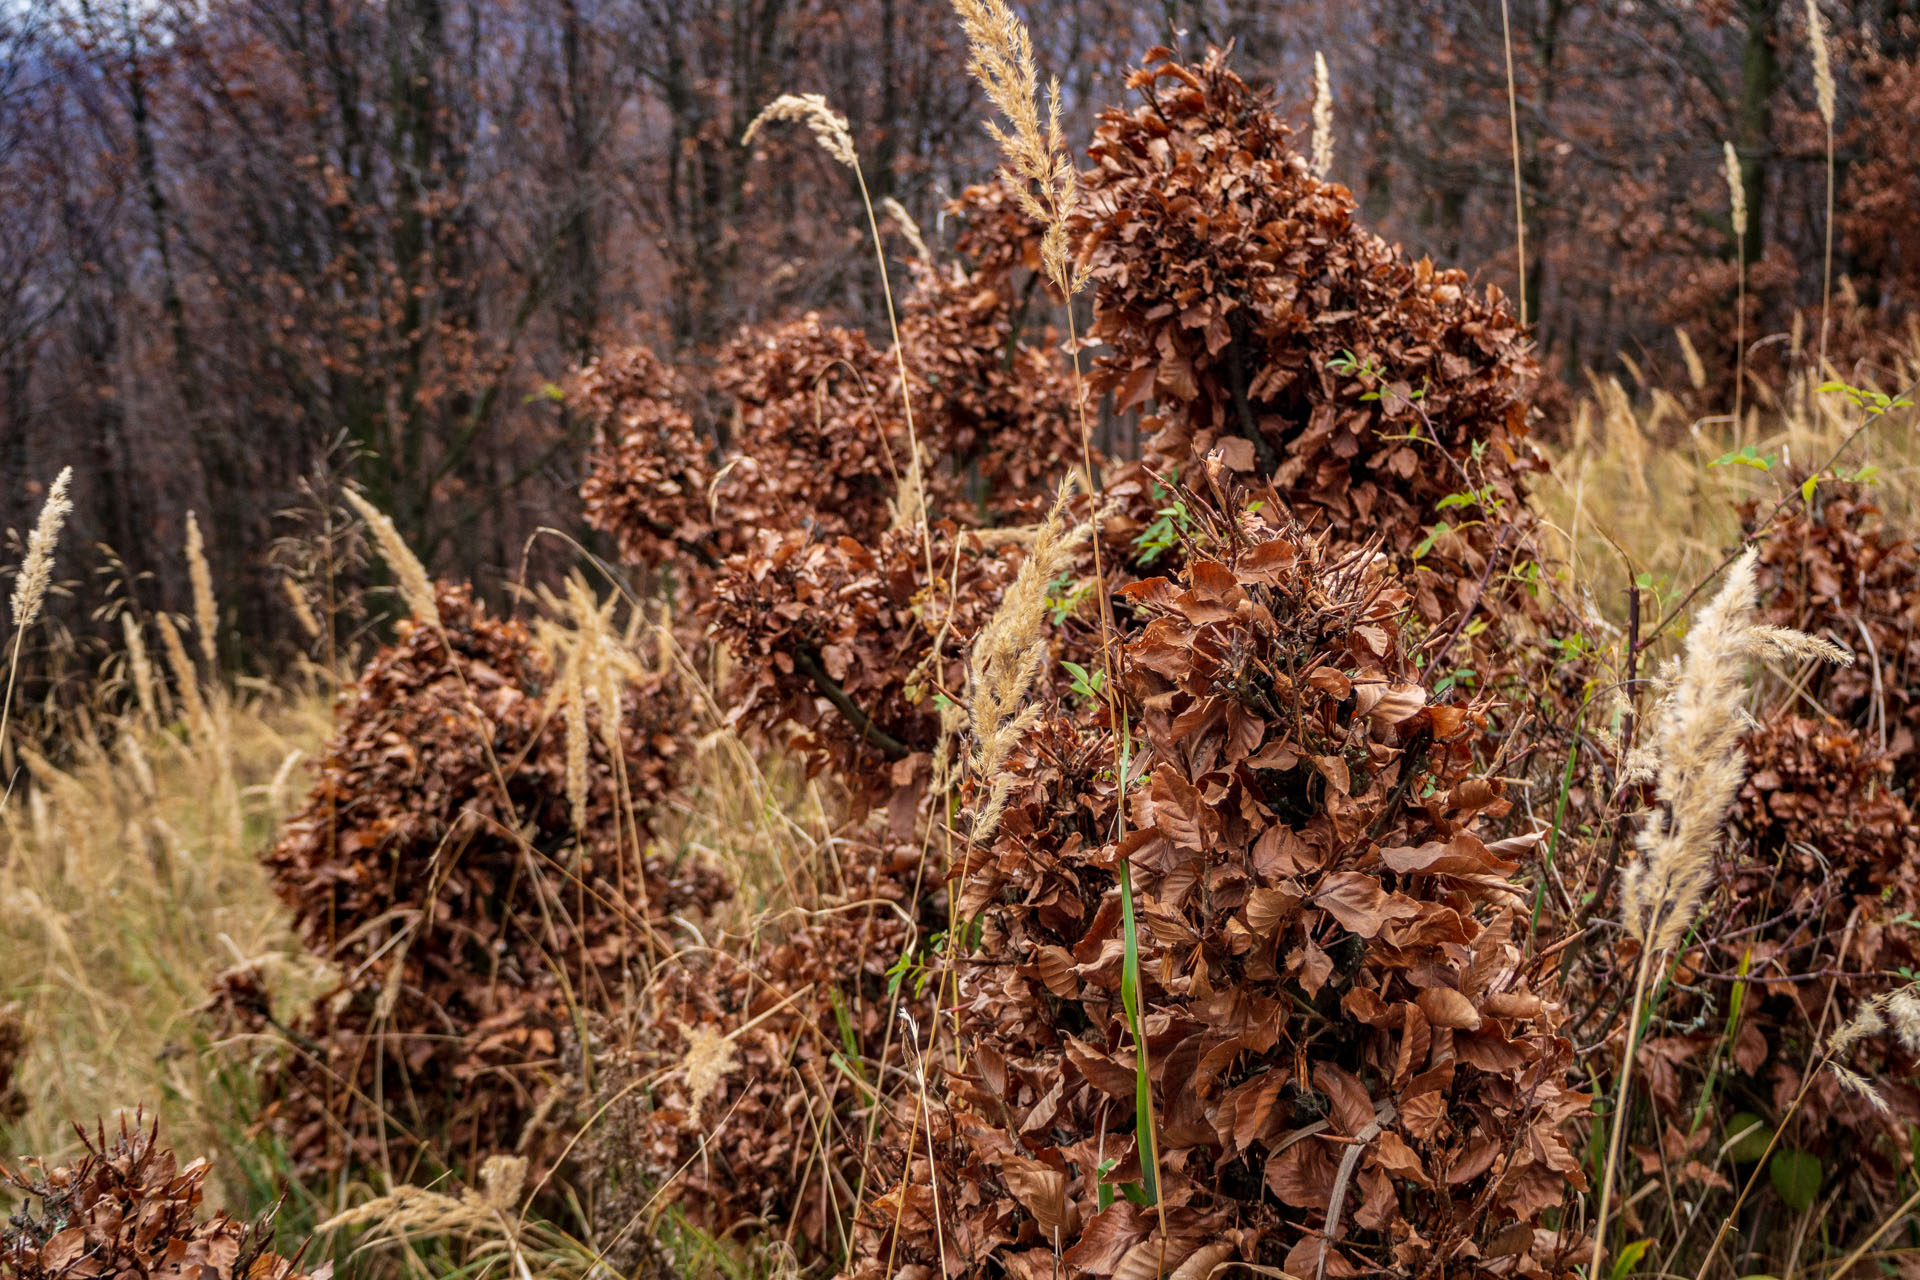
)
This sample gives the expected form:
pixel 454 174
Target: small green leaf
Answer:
pixel 1807 487
pixel 1744 456
pixel 1629 1259
pixel 1796 1177
pixel 1751 1135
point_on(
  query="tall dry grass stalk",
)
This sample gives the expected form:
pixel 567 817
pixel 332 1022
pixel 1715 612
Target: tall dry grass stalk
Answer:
pixel 1513 140
pixel 185 678
pixel 830 130
pixel 36 573
pixel 1038 165
pixel 301 609
pixel 140 668
pixel 205 614
pixel 416 586
pixel 1824 98
pixel 1693 753
pixel 1737 212
pixel 1322 118
pixel 1008 656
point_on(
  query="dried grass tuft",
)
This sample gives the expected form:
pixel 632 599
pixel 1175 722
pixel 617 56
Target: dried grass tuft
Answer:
pixel 829 126
pixel 1736 192
pixel 1695 744
pixel 200 574
pixel 36 569
pixel 1322 118
pixel 1039 166
pixel 1008 655
pixel 416 587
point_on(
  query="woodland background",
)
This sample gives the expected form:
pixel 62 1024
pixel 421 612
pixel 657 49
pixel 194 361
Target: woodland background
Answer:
pixel 242 240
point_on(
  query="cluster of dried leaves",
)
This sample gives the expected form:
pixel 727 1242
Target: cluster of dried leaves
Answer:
pixel 13 1047
pixel 1328 943
pixel 130 1209
pixel 472 912
pixel 1243 308
pixel 1351 1065
pixel 759 1064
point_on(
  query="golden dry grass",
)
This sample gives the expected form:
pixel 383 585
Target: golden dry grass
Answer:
pixel 125 885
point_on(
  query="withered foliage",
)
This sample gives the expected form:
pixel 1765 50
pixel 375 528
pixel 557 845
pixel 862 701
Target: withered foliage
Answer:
pixel 13 1048
pixel 991 388
pixel 769 1128
pixel 651 471
pixel 1243 307
pixel 1836 566
pixel 437 864
pixel 129 1209
pixel 1334 995
pixel 834 638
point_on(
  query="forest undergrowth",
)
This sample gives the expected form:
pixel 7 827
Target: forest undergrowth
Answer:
pixel 1185 756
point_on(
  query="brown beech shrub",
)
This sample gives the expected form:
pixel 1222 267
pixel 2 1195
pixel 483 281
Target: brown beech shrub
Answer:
pixel 1823 845
pixel 438 864
pixel 1244 309
pixel 1837 566
pixel 759 1062
pixel 130 1208
pixel 1334 993
pixel 648 487
pixel 13 1047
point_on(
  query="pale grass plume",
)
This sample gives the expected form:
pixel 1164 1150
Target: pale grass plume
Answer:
pixel 185 677
pixel 708 1061
pixel 416 588
pixel 576 713
pixel 140 668
pixel 302 610
pixel 1896 1013
pixel 137 764
pixel 1322 118
pixel 1696 371
pixel 907 227
pixel 1038 165
pixel 1008 656
pixel 200 574
pixel 1822 62
pixel 36 568
pixel 1698 763
pixel 1736 192
pixel 828 126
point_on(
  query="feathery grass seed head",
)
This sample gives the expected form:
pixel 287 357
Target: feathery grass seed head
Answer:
pixel 829 126
pixel 36 569
pixel 184 675
pixel 1322 118
pixel 1736 193
pixel 140 667
pixel 1038 165
pixel 416 588
pixel 205 614
pixel 1822 61
pixel 1695 741
pixel 1008 655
